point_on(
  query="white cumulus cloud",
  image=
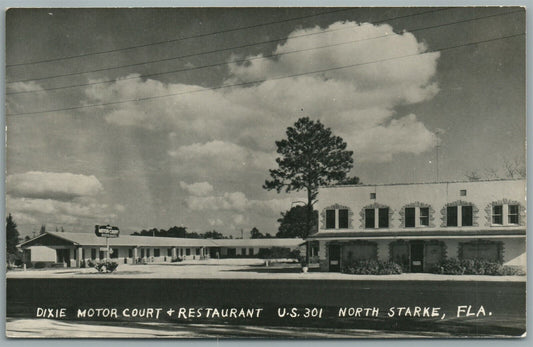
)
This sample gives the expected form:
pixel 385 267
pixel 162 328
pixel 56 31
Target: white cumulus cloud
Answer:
pixel 198 188
pixel 51 185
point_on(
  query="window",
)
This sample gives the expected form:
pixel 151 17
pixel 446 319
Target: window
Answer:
pixel 93 253
pixel 460 216
pixel 197 251
pixel 451 216
pixel 382 220
pixel 497 214
pixel 466 216
pixel 101 255
pixel 409 217
pixel 187 251
pixel 114 253
pixel 463 192
pixel 424 216
pixel 513 214
pixel 169 252
pixel 343 219
pixel 142 252
pixel 243 251
pixel 372 195
pixel 369 218
pixel 157 252
pixel 130 253
pixel 251 251
pixel 148 252
pixel 383 217
pixel 337 219
pixel 330 219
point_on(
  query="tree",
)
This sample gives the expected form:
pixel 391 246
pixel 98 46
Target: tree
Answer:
pixel 310 157
pixel 12 235
pixel 43 229
pixel 213 235
pixel 256 234
pixel 293 223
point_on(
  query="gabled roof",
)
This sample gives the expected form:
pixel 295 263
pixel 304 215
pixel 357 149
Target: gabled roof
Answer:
pixel 90 239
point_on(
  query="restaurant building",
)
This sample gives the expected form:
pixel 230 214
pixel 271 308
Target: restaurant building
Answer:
pixel 419 225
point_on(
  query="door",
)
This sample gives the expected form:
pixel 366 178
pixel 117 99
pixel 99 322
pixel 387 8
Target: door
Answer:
pixel 63 256
pixel 334 258
pixel 417 257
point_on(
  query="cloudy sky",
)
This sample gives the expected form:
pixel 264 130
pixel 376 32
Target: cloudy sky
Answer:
pixel 148 118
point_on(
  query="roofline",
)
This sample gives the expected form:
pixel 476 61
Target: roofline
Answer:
pixel 197 242
pixel 420 183
pixel 20 245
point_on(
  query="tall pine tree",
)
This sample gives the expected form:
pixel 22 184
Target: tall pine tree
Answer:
pixel 12 235
pixel 310 157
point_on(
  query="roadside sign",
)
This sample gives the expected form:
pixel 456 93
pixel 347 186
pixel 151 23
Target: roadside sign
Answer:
pixel 106 231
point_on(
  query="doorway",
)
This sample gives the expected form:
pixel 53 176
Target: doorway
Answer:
pixel 417 256
pixel 334 258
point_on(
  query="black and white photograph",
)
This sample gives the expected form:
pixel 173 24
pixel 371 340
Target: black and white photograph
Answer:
pixel 265 172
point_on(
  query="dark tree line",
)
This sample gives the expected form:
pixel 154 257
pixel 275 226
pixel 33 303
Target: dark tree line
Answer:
pixel 182 232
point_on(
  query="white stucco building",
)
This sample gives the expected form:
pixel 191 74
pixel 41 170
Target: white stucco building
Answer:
pixel 418 225
pixel 72 249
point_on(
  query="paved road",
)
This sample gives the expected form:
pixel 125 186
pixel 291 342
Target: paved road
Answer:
pixel 347 306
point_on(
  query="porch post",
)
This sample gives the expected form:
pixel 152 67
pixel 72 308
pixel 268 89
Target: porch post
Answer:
pixel 174 253
pixel 134 255
pixel 79 259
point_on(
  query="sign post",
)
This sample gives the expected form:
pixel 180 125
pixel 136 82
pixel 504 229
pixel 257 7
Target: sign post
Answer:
pixel 106 231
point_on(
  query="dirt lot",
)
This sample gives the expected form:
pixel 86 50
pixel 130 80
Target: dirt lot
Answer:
pixel 237 269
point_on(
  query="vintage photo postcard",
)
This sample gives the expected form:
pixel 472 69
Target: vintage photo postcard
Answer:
pixel 278 173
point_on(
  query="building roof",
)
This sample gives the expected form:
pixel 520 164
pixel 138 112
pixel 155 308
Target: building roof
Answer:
pixel 420 183
pixel 399 233
pixel 90 239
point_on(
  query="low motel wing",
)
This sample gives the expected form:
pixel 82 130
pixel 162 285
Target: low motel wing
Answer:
pixel 72 249
pixel 418 225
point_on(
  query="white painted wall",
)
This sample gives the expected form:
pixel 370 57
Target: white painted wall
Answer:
pixel 437 195
pixel 514 252
pixel 43 253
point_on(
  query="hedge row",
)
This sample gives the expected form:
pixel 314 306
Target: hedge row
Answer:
pixel 453 266
pixel 371 267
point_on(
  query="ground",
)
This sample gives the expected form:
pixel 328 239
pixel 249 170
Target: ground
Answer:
pixel 466 306
pixel 239 268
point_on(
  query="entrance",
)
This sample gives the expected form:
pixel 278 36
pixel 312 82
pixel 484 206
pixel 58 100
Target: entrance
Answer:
pixel 417 256
pixel 63 256
pixel 334 258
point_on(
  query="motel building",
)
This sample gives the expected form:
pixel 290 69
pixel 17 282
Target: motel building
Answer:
pixel 418 225
pixel 72 249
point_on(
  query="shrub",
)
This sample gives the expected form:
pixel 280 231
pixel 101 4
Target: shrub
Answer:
pixel 40 265
pixel 106 266
pixel 274 253
pixel 507 270
pixel 454 266
pixel 176 260
pixel 451 266
pixel 371 267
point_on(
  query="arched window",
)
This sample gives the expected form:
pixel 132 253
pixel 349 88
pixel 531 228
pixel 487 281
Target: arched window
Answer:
pixel 376 216
pixel 459 214
pixel 505 213
pixel 336 217
pixel 416 214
